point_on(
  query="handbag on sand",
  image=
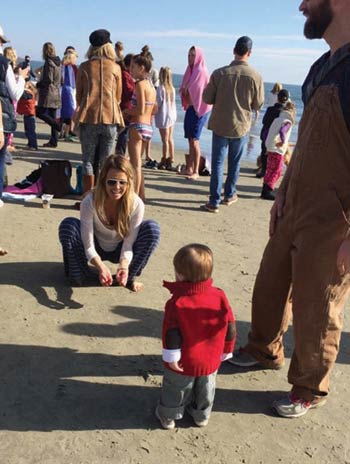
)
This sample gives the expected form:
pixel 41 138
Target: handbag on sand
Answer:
pixel 56 176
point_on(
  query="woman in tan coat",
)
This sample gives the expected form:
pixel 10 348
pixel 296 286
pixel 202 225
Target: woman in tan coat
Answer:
pixel 98 94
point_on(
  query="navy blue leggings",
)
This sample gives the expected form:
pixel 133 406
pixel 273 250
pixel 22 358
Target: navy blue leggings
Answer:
pixel 74 258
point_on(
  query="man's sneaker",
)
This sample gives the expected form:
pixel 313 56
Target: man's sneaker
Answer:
pixel 202 423
pixel 292 406
pixel 230 201
pixel 210 208
pixel 167 424
pixel 241 358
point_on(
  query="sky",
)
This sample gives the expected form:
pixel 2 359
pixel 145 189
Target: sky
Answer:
pixel 280 51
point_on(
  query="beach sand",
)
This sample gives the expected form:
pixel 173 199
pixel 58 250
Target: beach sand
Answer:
pixel 81 368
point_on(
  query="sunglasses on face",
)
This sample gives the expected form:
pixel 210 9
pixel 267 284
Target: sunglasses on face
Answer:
pixel 114 182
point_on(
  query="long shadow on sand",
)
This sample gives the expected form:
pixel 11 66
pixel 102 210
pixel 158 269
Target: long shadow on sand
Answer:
pixel 147 322
pixel 34 277
pixel 39 391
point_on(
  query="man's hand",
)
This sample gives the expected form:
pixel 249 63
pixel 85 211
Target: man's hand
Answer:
pixel 276 211
pixel 343 257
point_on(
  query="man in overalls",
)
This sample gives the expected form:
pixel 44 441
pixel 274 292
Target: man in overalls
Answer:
pixel 306 263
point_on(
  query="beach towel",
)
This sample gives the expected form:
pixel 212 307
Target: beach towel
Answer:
pixel 195 81
pixel 35 189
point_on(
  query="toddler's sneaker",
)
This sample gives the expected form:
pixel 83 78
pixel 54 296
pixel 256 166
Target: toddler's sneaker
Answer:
pixel 292 406
pixel 167 424
pixel 202 423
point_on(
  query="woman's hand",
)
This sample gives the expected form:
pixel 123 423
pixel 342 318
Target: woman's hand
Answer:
pixel 122 276
pixel 105 276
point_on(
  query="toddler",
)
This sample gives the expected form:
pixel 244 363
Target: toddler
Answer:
pixel 277 145
pixel 198 334
pixel 26 106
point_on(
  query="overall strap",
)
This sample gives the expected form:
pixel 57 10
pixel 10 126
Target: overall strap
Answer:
pixel 340 55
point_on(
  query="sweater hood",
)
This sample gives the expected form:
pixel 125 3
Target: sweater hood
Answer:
pixel 54 60
pixel 286 115
pixel 187 288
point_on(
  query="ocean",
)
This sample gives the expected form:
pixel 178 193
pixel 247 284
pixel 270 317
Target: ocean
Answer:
pixel 253 149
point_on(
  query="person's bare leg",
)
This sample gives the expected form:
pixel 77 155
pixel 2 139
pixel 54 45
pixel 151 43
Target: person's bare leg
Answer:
pixel 189 161
pixel 171 144
pixel 135 147
pixel 196 155
pixel 164 137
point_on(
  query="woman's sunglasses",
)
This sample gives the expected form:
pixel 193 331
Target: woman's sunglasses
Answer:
pixel 114 182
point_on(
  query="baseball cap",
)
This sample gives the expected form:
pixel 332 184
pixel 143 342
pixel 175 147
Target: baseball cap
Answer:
pixel 283 96
pixel 100 37
pixel 3 38
pixel 243 45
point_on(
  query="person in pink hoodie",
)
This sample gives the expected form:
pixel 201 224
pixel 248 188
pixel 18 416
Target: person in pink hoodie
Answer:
pixel 194 82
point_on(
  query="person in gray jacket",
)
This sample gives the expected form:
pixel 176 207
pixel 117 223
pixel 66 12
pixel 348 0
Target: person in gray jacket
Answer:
pixel 49 88
pixel 235 91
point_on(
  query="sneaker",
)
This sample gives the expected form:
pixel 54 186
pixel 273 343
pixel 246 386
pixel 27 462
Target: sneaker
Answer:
pixel 202 423
pixel 230 201
pixel 49 145
pixel 1 203
pixel 241 358
pixel 292 406
pixel 210 208
pixel 8 158
pixel 149 164
pixel 167 424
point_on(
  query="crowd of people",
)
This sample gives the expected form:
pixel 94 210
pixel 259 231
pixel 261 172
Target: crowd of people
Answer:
pixel 309 247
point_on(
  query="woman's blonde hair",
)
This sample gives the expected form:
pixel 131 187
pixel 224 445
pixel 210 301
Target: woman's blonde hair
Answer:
pixel 69 58
pixel 166 80
pixel 125 206
pixel 11 54
pixel 48 50
pixel 105 51
pixel 276 88
pixel 194 262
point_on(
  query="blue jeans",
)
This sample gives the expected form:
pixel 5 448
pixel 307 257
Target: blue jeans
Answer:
pixel 220 146
pixel 29 129
pixel 2 164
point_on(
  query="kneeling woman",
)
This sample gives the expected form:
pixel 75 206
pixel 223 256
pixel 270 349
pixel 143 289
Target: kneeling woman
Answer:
pixel 112 228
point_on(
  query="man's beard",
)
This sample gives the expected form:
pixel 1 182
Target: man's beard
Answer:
pixel 318 20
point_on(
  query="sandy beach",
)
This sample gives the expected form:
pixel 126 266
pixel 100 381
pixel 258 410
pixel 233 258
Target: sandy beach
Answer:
pixel 81 368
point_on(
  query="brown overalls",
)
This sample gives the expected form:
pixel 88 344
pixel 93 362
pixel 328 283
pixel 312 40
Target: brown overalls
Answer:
pixel 302 253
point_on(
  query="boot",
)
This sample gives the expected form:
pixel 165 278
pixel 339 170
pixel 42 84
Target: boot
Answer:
pixel 267 193
pixel 88 183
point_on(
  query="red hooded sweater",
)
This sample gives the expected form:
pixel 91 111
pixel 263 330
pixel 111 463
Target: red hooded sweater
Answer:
pixel 198 321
